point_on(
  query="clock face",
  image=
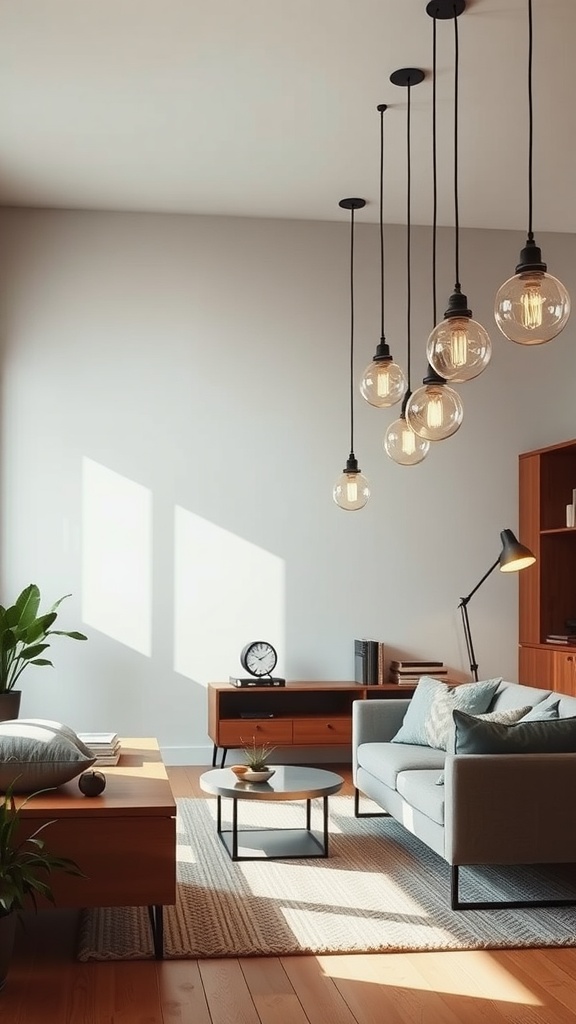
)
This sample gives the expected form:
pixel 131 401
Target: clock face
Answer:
pixel 259 658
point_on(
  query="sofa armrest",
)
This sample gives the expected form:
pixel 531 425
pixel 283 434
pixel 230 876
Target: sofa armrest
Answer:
pixel 510 808
pixel 376 721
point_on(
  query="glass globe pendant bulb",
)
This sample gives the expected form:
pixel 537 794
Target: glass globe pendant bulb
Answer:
pixel 434 411
pixel 403 446
pixel 351 490
pixel 383 383
pixel 532 307
pixel 458 348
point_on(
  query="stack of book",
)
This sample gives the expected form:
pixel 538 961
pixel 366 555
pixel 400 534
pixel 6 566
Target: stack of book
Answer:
pixel 568 639
pixel 407 673
pixel 105 747
pixel 369 662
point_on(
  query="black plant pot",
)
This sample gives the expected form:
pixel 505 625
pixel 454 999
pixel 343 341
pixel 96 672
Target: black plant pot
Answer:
pixel 9 705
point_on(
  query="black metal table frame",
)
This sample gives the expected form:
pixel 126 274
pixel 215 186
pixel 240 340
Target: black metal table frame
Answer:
pixel 234 855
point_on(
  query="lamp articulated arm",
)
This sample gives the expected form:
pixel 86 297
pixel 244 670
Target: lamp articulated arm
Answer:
pixel 463 606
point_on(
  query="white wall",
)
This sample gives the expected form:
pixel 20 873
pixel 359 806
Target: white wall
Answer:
pixel 183 381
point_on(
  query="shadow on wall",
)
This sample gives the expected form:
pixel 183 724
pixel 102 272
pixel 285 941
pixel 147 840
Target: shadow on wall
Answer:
pixel 227 591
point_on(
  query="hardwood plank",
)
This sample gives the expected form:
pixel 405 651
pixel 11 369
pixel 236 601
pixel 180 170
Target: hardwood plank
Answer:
pixel 227 993
pixel 270 988
pixel 316 991
pixel 554 979
pixel 504 993
pixel 182 995
pixel 137 998
pixel 392 987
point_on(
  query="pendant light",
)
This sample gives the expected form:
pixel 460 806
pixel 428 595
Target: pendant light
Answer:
pixel 458 348
pixel 351 490
pixel 434 412
pixel 401 444
pixel 532 307
pixel 383 382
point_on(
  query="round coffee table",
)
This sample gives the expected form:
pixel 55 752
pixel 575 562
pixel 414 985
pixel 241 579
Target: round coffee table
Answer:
pixel 289 782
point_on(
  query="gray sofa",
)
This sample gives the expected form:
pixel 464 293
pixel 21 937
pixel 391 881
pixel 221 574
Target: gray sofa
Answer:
pixel 511 808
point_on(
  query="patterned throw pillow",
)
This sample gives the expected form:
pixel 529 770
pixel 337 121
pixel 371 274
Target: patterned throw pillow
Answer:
pixel 428 720
pixel 502 717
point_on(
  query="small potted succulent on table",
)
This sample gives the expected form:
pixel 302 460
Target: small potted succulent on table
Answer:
pixel 256 767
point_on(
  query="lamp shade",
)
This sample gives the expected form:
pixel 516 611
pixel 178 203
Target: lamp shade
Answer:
pixel 514 555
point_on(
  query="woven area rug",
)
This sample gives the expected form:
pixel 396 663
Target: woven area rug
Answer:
pixel 379 890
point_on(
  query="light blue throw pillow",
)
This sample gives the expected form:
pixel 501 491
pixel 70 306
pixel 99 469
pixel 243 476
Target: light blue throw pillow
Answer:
pixel 545 711
pixel 428 720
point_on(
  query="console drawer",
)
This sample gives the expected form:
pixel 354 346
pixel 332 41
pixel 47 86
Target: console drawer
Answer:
pixel 316 731
pixel 237 732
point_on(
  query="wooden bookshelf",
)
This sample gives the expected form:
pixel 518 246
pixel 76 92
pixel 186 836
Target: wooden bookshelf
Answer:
pixel 547 591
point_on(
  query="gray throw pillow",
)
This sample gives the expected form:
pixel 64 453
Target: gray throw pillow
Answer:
pixel 64 730
pixel 503 717
pixel 476 737
pixel 428 719
pixel 545 711
pixel 35 755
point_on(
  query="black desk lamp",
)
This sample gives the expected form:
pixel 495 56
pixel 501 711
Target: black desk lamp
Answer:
pixel 513 557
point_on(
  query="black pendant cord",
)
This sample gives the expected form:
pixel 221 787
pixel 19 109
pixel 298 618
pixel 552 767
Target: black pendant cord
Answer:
pixel 530 123
pixel 352 333
pixel 382 108
pixel 434 179
pixel 408 243
pixel 456 211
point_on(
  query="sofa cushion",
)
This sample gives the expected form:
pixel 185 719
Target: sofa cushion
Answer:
pixel 419 790
pixel 473 736
pixel 503 717
pixel 514 695
pixel 567 706
pixel 35 755
pixel 428 719
pixel 385 760
pixel 545 711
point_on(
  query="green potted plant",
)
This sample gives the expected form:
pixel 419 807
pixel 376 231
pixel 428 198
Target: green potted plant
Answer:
pixel 24 636
pixel 257 755
pixel 25 868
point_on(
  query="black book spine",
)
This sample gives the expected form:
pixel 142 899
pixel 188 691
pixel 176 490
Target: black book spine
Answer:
pixel 361 661
pixel 372 675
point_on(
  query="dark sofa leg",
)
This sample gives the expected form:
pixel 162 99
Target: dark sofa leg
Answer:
pixel 366 814
pixel 456 904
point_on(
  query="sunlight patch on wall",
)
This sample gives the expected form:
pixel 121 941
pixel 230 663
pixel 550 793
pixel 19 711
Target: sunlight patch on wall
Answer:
pixel 227 593
pixel 117 556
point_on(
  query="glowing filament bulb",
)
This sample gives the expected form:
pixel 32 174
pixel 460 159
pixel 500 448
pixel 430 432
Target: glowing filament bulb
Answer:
pixel 351 489
pixel 383 384
pixel 459 344
pixel 434 413
pixel 408 441
pixel 532 303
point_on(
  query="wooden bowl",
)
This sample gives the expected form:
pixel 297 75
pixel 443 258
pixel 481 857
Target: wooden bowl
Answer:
pixel 239 769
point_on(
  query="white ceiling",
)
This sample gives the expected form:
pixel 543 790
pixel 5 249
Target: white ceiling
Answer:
pixel 267 108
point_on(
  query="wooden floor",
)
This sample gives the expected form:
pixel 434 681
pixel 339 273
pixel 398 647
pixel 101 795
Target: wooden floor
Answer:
pixel 47 986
